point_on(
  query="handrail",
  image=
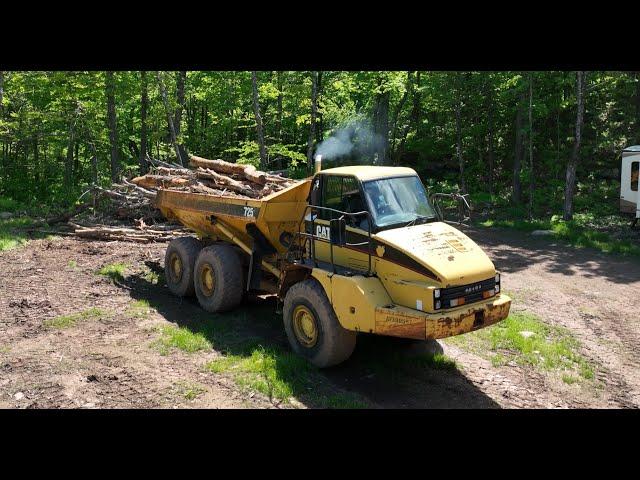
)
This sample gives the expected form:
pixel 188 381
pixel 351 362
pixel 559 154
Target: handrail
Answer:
pixel 314 237
pixel 464 209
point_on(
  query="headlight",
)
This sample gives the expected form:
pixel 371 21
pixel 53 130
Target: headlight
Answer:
pixel 497 278
pixel 438 305
pixel 436 293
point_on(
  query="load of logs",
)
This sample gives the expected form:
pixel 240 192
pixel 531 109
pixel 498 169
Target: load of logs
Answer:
pixel 133 200
pixel 213 177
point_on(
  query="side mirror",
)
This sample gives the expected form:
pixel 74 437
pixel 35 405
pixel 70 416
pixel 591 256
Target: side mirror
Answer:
pixel 338 231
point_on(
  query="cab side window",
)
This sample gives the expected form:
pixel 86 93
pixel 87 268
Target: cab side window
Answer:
pixel 635 170
pixel 342 193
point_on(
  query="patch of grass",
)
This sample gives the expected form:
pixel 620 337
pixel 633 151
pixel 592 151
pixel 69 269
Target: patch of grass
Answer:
pixel 342 401
pixel 114 271
pixel 281 375
pixel 583 231
pixel 520 225
pixel 438 361
pixel 189 390
pixel 72 264
pixel 5 349
pixel 182 339
pixel 9 205
pixel 139 309
pixel 544 347
pixel 569 379
pixel 153 277
pixel 12 233
pixel 66 321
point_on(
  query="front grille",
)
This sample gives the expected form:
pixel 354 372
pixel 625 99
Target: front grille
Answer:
pixel 471 293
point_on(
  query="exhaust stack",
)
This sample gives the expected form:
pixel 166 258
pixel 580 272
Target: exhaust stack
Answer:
pixel 317 164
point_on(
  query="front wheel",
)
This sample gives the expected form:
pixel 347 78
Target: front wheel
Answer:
pixel 312 327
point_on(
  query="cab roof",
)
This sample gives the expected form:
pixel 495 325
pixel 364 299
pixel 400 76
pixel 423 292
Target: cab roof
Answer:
pixel 370 172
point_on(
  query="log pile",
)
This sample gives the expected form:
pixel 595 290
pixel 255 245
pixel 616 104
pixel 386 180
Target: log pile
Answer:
pixel 132 201
pixel 212 177
pixel 142 233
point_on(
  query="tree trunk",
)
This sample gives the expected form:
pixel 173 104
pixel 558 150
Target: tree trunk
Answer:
pixel 68 163
pixel 36 159
pixel 490 146
pixel 637 78
pixel 144 105
pixel 111 121
pixel 1 93
pixel 259 131
pixel 172 130
pixel 381 123
pixel 531 173
pixel 314 112
pixel 518 151
pixel 570 184
pixel 396 115
pixel 279 107
pixel 463 187
pixel 414 117
pixel 180 82
pixel 320 126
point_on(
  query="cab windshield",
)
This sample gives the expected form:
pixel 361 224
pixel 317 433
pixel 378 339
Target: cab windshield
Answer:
pixel 398 201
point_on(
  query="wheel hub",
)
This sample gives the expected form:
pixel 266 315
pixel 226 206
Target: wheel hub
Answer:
pixel 176 266
pixel 305 326
pixel 207 280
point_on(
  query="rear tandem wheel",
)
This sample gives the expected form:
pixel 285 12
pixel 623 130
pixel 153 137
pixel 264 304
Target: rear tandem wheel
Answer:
pixel 179 261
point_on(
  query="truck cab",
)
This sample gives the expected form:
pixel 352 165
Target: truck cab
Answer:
pixel 424 278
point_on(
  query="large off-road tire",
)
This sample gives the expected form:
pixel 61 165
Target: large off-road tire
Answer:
pixel 179 262
pixel 218 278
pixel 312 327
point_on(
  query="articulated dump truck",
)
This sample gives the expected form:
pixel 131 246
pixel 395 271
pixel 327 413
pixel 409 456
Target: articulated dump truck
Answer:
pixel 350 250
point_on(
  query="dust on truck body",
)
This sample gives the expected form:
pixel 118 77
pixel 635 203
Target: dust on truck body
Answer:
pixel 352 249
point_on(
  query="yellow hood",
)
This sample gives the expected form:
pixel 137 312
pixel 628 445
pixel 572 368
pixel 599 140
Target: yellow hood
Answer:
pixel 446 251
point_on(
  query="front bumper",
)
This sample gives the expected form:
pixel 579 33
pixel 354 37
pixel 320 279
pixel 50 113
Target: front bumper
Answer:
pixel 406 322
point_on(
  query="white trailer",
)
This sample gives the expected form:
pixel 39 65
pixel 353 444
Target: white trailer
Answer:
pixel 629 172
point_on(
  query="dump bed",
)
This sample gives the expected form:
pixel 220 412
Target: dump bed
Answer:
pixel 273 215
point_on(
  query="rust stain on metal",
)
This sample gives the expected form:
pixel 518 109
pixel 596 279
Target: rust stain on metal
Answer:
pixel 396 324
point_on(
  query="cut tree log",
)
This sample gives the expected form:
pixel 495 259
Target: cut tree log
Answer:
pixel 247 171
pixel 228 182
pixel 161 181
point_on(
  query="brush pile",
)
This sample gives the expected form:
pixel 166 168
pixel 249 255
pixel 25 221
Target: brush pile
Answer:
pixel 128 210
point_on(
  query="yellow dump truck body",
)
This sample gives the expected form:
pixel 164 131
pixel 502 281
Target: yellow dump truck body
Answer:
pixel 273 215
pixel 394 274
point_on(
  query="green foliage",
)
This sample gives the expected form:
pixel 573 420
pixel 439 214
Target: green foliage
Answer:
pixel 583 231
pixel 67 321
pixel 52 122
pixel 189 390
pixel 180 338
pixel 9 205
pixel 525 339
pixel 114 271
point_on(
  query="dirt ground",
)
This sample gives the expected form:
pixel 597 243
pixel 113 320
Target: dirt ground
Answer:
pixel 109 362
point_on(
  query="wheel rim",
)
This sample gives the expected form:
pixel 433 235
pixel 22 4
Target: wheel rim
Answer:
pixel 176 266
pixel 207 280
pixel 305 326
